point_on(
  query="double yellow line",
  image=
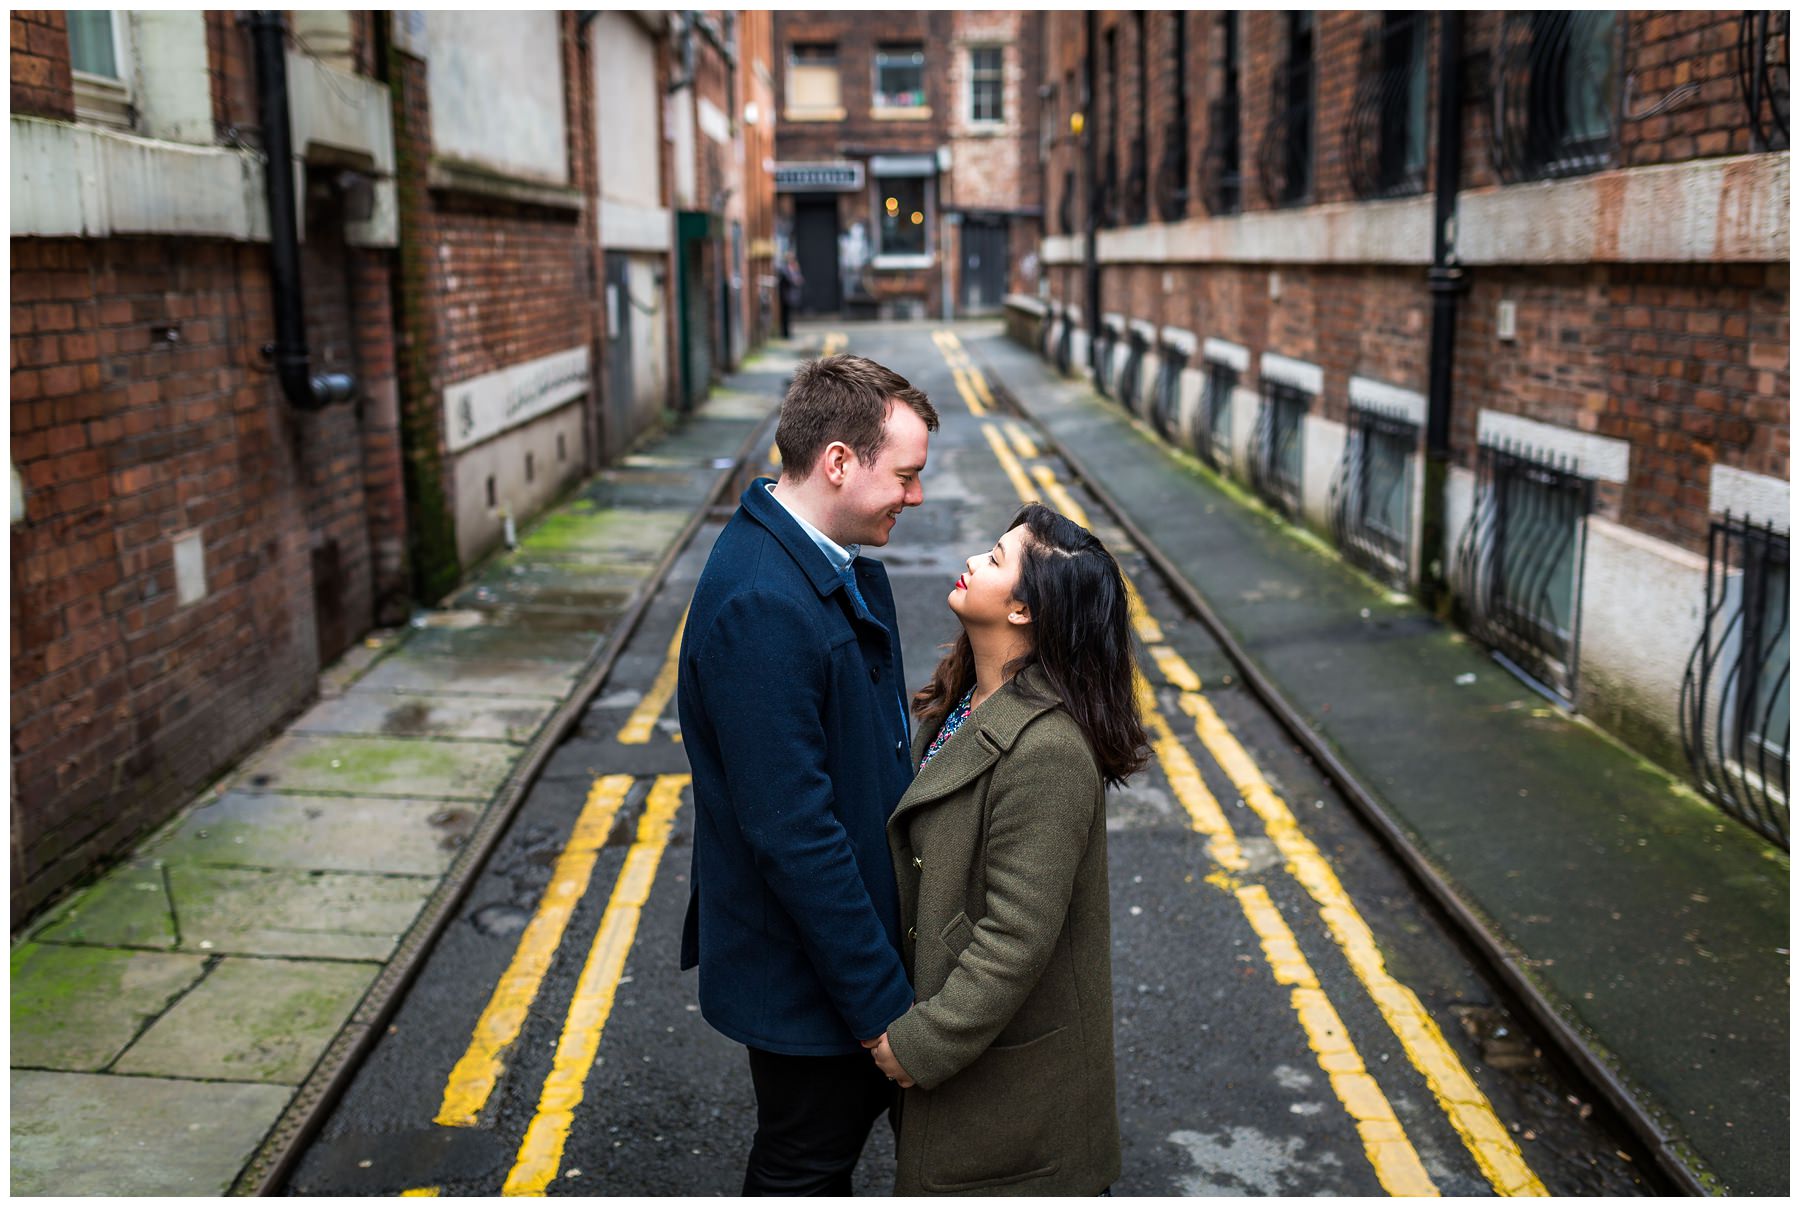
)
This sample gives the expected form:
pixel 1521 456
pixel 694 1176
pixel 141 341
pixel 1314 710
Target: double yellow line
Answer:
pixel 1390 1152
pixel 969 382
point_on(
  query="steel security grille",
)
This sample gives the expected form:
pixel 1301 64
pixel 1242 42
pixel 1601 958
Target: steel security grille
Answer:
pixel 1734 696
pixel 1101 356
pixel 1386 138
pixel 1131 382
pixel 1165 411
pixel 1556 94
pixel 1518 563
pixel 1762 71
pixel 1371 493
pixel 1286 157
pixel 1211 438
pixel 1275 450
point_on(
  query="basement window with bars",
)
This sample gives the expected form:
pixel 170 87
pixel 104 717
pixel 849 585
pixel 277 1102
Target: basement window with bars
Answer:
pixel 900 76
pixel 1276 462
pixel 1734 695
pixel 1519 563
pixel 1212 425
pixel 1371 493
pixel 1132 381
pixel 1165 414
pixel 1556 94
pixel 1100 352
pixel 987 84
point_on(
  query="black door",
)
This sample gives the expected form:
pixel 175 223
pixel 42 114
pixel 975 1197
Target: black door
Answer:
pixel 816 243
pixel 983 263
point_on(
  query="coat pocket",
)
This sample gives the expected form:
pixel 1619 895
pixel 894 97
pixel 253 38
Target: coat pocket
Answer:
pixel 957 935
pixel 1000 1120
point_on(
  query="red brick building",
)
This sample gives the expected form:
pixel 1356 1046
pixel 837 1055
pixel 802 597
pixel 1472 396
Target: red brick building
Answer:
pixel 1530 385
pixel 907 172
pixel 221 481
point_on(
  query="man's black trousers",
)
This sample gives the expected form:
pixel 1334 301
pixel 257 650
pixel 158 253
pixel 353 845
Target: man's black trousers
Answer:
pixel 813 1115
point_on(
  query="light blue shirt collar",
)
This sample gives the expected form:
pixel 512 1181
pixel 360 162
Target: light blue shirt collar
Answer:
pixel 840 556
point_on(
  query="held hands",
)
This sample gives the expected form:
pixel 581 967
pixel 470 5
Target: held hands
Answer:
pixel 886 1062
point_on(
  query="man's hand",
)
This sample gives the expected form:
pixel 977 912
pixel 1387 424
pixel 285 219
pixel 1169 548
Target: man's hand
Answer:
pixel 886 1062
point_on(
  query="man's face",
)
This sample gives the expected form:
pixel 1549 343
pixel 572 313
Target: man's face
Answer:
pixel 873 496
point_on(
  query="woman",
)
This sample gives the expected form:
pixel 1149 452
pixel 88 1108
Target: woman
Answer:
pixel 1006 1059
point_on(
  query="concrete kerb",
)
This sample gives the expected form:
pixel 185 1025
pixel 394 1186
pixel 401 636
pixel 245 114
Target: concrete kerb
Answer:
pixel 1686 1171
pixel 318 1094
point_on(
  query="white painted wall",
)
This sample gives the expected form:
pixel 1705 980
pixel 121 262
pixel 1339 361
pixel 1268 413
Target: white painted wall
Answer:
pixel 479 529
pixel 1755 497
pixel 1323 447
pixel 497 93
pixel 1642 601
pixel 628 112
pixel 174 92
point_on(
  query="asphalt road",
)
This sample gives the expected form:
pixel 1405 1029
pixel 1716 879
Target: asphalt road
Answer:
pixel 1291 1017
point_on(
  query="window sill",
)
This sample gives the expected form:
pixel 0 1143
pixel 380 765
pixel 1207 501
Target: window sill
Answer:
pixel 813 115
pixel 451 176
pixel 898 261
pixel 883 113
pixel 986 129
pixel 101 101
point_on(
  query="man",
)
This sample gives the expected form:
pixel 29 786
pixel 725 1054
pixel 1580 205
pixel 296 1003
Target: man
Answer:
pixel 794 720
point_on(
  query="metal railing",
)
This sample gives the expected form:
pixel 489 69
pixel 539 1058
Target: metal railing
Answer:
pixel 1371 493
pixel 1556 94
pixel 1100 354
pixel 1276 463
pixel 1734 696
pixel 1518 562
pixel 1211 435
pixel 1131 385
pixel 1762 71
pixel 1385 140
pixel 1165 409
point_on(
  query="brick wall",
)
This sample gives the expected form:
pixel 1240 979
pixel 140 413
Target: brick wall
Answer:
pixel 40 64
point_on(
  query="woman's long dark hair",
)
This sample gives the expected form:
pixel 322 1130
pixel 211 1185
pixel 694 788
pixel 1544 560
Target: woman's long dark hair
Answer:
pixel 1081 629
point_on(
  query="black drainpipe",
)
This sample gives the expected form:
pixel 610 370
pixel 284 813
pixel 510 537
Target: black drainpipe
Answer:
pixel 1447 280
pixel 1091 168
pixel 293 364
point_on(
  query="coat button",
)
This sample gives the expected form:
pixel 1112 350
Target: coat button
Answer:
pixel 918 862
pixel 912 932
pixel 874 674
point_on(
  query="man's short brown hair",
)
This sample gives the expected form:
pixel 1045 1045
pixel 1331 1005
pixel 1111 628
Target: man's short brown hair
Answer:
pixel 843 397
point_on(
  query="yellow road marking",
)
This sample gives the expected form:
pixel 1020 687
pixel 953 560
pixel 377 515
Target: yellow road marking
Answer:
pixel 1175 668
pixel 473 1079
pixel 638 726
pixel 1396 1162
pixel 961 377
pixel 1187 785
pixel 835 342
pixel 1009 463
pixel 981 386
pixel 775 455
pixel 950 338
pixel 1022 442
pixel 421 1192
pixel 540 1153
pixel 1462 1101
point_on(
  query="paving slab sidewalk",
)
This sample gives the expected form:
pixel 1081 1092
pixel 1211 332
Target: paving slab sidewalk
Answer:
pixel 1654 924
pixel 164 1016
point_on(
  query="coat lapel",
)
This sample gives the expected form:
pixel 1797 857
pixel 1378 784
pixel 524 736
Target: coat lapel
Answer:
pixel 972 749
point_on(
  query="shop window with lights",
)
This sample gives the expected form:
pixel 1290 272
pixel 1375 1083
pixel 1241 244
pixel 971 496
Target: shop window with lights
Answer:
pixel 900 76
pixel 902 215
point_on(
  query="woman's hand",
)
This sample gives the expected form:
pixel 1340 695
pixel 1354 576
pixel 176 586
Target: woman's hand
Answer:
pixel 886 1062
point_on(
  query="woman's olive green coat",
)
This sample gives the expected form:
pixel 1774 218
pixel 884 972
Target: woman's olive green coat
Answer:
pixel 1000 850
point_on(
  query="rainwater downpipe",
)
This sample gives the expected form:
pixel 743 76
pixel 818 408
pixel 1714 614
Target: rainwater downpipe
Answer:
pixel 293 363
pixel 1090 168
pixel 1447 280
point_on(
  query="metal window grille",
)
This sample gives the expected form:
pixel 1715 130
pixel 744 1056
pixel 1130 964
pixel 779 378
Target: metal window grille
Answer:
pixel 1131 383
pixel 1100 353
pixel 1221 166
pixel 1137 169
pixel 1165 412
pixel 1371 493
pixel 1172 172
pixel 1518 562
pixel 1386 138
pixel 1556 94
pixel 1276 464
pixel 1062 354
pixel 1762 70
pixel 986 84
pixel 1734 696
pixel 1286 158
pixel 1211 439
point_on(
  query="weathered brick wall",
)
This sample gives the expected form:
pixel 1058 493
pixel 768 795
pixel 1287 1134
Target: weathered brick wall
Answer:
pixel 40 64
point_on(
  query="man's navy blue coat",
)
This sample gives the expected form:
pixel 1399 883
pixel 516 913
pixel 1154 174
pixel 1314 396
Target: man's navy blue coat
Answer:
pixel 791 717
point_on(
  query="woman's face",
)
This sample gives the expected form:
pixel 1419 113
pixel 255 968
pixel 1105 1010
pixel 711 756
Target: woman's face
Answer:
pixel 984 595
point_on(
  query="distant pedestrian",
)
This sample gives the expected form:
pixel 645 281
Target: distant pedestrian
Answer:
pixel 794 723
pixel 999 848
pixel 792 282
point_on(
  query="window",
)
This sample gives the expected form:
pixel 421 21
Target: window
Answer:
pixel 99 55
pixel 987 84
pixel 900 76
pixel 1276 466
pixel 1371 493
pixel 1221 168
pixel 902 218
pixel 812 80
pixel 1212 439
pixel 1388 117
pixel 1287 150
pixel 1558 89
